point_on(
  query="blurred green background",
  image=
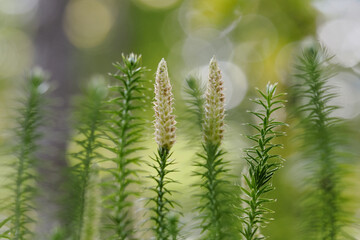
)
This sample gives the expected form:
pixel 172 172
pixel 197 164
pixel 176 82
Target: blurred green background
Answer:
pixel 255 41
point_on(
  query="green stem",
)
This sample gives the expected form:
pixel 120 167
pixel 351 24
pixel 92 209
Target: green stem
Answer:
pixel 125 132
pixel 261 170
pixel 161 202
pixel 18 223
pixel 27 137
pixel 123 230
pixel 92 213
pixel 90 147
pixel 90 120
pixel 315 79
pixel 212 185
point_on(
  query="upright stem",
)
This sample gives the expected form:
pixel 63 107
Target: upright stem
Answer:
pixel 86 172
pixel 262 164
pixel 212 186
pixel 18 222
pixel 122 164
pixel 161 209
pixel 318 127
pixel 24 177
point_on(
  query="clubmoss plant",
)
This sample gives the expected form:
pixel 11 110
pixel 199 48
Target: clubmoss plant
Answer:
pixel 323 203
pixel 262 163
pixel 195 101
pixel 92 211
pixel 91 120
pixel 24 174
pixel 212 166
pixel 124 131
pixel 165 138
pixel 107 161
pixel 173 226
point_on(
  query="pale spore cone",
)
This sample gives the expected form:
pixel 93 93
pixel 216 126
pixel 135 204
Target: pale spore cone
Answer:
pixel 163 107
pixel 214 105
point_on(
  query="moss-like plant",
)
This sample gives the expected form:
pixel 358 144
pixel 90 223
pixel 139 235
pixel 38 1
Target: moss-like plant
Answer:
pixel 212 166
pixel 110 133
pixel 262 163
pixel 173 226
pixel 165 138
pixel 324 215
pixel 24 174
pixel 90 229
pixel 124 131
pixel 195 101
pixel 91 120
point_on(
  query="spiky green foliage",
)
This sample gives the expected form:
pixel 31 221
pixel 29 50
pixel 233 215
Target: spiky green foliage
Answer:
pixel 23 174
pixel 124 131
pixel 162 202
pixel 90 229
pixel 323 202
pixel 195 101
pixel 262 163
pixel 91 119
pixel 213 205
pixel 173 226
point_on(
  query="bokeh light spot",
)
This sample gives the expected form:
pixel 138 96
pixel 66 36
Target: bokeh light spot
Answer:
pixel 257 38
pixel 16 52
pixel 17 6
pixel 197 14
pixel 347 88
pixel 341 37
pixel 339 9
pixel 198 50
pixel 87 23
